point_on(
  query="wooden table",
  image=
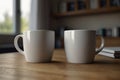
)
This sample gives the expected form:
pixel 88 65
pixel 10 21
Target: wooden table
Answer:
pixel 14 67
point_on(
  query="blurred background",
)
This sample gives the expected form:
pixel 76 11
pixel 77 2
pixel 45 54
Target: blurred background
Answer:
pixel 100 15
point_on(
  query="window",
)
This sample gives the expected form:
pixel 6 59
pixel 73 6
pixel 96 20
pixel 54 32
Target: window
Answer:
pixel 14 18
pixel 6 16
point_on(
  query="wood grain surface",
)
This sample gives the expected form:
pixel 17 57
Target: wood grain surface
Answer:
pixel 14 67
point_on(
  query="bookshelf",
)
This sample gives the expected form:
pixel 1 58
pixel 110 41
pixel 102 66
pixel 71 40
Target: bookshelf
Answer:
pixel 100 7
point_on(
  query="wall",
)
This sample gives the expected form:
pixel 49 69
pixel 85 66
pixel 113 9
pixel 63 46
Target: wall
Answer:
pixel 91 21
pixel 40 14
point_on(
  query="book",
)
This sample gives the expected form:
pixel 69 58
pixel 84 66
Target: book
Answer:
pixel 113 52
pixel 115 32
pixel 109 32
pixel 93 4
pixel 112 49
pixel 112 55
pixel 103 3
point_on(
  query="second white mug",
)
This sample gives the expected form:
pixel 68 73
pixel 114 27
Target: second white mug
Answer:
pixel 80 45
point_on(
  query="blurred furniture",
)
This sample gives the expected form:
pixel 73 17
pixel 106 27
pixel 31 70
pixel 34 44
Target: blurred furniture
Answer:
pixel 7 48
pixel 88 7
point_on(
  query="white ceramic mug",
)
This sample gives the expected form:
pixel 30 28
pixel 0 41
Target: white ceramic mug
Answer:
pixel 80 45
pixel 38 45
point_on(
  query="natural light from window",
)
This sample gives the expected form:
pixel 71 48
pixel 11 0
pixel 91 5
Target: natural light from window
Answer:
pixel 6 16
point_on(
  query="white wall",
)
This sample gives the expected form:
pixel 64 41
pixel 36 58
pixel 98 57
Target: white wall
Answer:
pixel 91 21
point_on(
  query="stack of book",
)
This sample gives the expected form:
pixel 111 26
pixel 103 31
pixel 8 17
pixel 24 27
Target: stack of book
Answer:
pixel 109 32
pixel 113 52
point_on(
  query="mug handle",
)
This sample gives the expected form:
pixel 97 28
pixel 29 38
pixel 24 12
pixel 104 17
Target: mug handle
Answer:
pixel 16 44
pixel 101 46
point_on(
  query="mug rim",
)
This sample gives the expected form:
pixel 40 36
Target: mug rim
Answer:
pixel 79 30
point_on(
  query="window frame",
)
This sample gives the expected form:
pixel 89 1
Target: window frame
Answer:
pixel 17 16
